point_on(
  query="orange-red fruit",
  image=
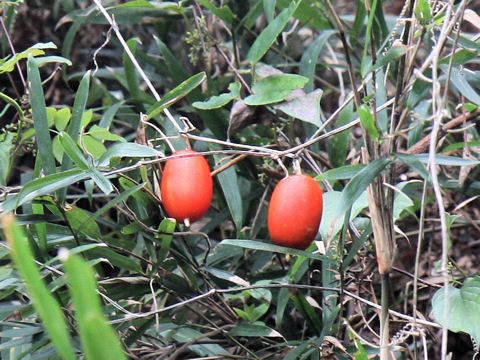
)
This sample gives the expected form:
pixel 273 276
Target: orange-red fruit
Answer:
pixel 295 211
pixel 186 186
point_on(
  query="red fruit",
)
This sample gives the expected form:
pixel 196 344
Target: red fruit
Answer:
pixel 295 211
pixel 186 186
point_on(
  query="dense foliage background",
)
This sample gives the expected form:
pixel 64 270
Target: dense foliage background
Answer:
pixel 378 100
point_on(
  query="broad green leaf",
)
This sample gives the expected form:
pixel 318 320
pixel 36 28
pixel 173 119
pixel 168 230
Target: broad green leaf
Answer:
pixel 99 339
pixel 368 121
pixel 303 106
pixel 256 330
pixel 463 308
pixel 267 37
pixel 178 93
pixel 258 245
pixel 93 146
pixel 80 221
pixel 129 150
pixel 62 117
pixel 310 56
pixel 40 121
pixel 274 88
pixel 102 133
pixel 218 101
pixel 45 304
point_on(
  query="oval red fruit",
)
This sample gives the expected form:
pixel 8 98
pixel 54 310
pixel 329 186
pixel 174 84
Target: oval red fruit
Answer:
pixel 186 186
pixel 295 211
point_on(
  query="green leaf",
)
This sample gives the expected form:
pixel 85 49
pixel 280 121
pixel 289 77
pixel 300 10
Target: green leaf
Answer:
pixel 102 133
pixel 73 151
pixel 99 339
pixel 267 37
pixel 423 12
pixel 308 63
pixel 62 117
pixel 93 146
pixel 368 121
pixel 130 72
pixel 256 330
pixel 258 245
pixel 6 145
pixel 463 308
pixel 223 12
pixel 225 275
pixel 337 145
pixel 305 107
pixel 40 121
pixel 447 160
pixel 340 173
pixel 218 101
pixel 35 50
pixel 101 181
pixel 178 93
pixel 166 229
pixel 460 82
pixel 45 304
pixel 129 150
pixel 44 186
pixel 357 185
pixel 228 180
pixel 274 88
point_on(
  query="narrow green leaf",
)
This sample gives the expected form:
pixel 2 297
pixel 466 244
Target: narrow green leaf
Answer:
pixel 101 181
pixel 129 150
pixel 256 329
pixel 223 12
pixel 74 125
pixel 447 160
pixel 258 245
pixel 178 93
pixel 99 339
pixel 267 37
pixel 357 185
pixel 308 312
pixel 229 183
pixel 73 151
pixel 166 228
pixel 308 62
pixel 40 121
pixel 337 145
pixel 218 101
pixel 340 173
pixel 130 72
pixel 368 121
pixel 45 304
pixel 44 186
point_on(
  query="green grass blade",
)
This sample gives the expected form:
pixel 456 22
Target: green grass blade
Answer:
pixel 48 309
pixel 99 340
pixel 40 122
pixel 267 37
